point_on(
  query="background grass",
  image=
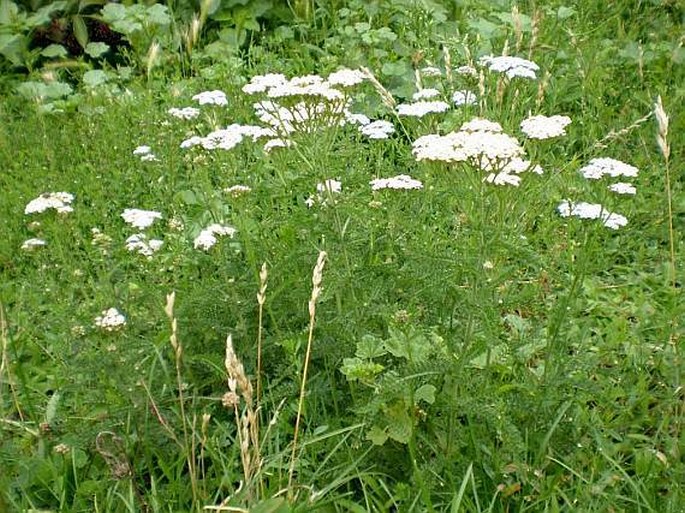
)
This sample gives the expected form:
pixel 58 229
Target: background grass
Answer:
pixel 507 359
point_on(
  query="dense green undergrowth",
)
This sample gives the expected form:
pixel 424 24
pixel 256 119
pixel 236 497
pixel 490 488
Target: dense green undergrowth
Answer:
pixel 471 349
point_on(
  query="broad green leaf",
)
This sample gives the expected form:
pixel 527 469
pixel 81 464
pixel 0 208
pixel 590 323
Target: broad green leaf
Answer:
pixel 8 12
pixel 400 424
pixel 565 12
pixel 425 393
pixel 54 51
pixel 113 12
pixel 80 30
pixel 370 347
pixel 94 77
pixel 377 436
pixel 12 48
pixel 397 69
pixel 96 50
pixel 44 14
pixel 158 14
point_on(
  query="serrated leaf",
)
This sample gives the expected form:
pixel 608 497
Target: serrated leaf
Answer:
pixel 425 393
pixel 113 12
pixel 158 14
pixel 94 77
pixel 54 51
pixel 8 12
pixel 80 30
pixel 400 424
pixel 370 347
pixel 376 435
pixel 565 12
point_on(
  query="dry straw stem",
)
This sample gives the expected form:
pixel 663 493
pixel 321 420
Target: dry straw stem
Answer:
pixel 662 141
pixel 615 134
pixel 448 63
pixel 248 429
pixel 387 98
pixel 261 299
pixel 317 277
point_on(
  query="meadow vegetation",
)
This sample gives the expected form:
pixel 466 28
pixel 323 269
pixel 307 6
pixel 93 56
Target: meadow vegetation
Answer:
pixel 344 256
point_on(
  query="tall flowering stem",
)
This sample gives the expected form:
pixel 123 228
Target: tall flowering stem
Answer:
pixel 261 299
pixel 662 141
pixel 317 277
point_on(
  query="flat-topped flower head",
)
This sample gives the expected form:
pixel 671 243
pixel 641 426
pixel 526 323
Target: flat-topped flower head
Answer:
pixel 184 113
pixel 211 98
pixel 346 77
pixel 277 143
pixel 355 118
pixel 144 246
pixel 142 150
pixel 330 185
pixel 544 127
pixel 208 237
pixel 110 320
pixel 464 98
pixel 503 178
pixel 31 244
pixel 261 83
pixel 511 66
pixel 431 71
pixel 59 201
pixel 395 182
pixel 481 125
pixel 599 167
pixel 421 108
pixel 467 71
pixel 586 210
pixel 379 129
pixel 425 94
pixel 622 188
pixel 237 190
pixel 140 219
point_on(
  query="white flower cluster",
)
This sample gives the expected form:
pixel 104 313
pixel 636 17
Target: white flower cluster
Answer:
pixel 421 108
pixel 481 143
pixel 110 320
pixel 512 66
pixel 622 188
pixel 276 85
pixel 31 244
pixel 346 77
pixel 207 237
pixel 425 94
pixel 379 129
pixel 140 243
pixel 302 117
pixel 464 98
pixel 467 71
pixel 544 127
pixel 227 138
pixel 140 219
pixel 597 168
pixel 237 190
pixel 145 153
pixel 324 191
pixel 184 113
pixel 60 201
pixel 585 210
pixel 211 98
pixel 278 142
pixel 395 182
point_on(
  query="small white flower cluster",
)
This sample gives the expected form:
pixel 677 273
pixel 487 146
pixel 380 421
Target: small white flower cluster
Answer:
pixel 211 98
pixel 324 191
pixel 599 167
pixel 237 190
pixel 431 71
pixel 585 210
pixel 207 237
pixel 346 77
pixel 421 108
pixel 31 244
pixel 60 201
pixel 464 97
pixel 227 138
pixel 425 94
pixel 395 182
pixel 467 71
pixel 140 243
pixel 481 143
pixel 544 127
pixel 145 154
pixel 304 116
pixel 379 129
pixel 512 66
pixel 110 320
pixel 184 113
pixel 622 188
pixel 277 143
pixel 276 85
pixel 140 219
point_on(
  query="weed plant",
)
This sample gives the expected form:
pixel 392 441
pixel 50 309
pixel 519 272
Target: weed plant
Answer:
pixel 266 303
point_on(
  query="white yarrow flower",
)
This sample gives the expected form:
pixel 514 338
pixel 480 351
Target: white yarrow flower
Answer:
pixel 140 219
pixel 396 182
pixel 237 190
pixel 31 244
pixel 330 185
pixel 346 77
pixel 379 129
pixel 261 83
pixel 425 94
pixel 421 108
pixel 431 71
pixel 184 113
pixel 599 167
pixel 464 98
pixel 622 188
pixel 142 150
pixel 208 237
pixel 512 66
pixel 110 320
pixel 211 98
pixel 140 243
pixel 586 210
pixel 503 178
pixel 60 201
pixel 544 127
